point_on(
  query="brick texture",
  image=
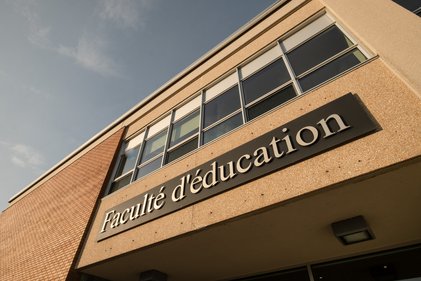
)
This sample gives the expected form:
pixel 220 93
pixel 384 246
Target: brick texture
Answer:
pixel 41 233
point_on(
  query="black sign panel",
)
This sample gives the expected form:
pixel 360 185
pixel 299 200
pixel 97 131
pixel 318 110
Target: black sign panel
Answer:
pixel 331 125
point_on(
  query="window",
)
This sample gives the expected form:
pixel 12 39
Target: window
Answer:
pixel 290 67
pixel 223 128
pixel 222 106
pixel 266 83
pixel 279 97
pixel 127 162
pixel 331 69
pixel 153 147
pixel 319 52
pixel 185 130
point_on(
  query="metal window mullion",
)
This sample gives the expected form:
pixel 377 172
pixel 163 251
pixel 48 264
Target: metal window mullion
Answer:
pixel 290 71
pixel 139 155
pixel 325 62
pixel 310 272
pixel 201 118
pixel 241 93
pixel 167 140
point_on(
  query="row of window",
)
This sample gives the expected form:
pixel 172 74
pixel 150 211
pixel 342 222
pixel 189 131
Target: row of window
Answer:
pixel 313 55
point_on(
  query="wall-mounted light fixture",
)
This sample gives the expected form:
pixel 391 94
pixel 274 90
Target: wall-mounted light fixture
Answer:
pixel 352 230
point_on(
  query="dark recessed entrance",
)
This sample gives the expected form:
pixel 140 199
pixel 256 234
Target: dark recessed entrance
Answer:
pixel 401 264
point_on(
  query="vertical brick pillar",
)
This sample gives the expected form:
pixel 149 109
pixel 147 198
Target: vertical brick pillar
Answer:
pixel 41 233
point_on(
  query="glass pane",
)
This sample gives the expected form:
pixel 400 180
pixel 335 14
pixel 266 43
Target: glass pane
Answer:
pixel 261 61
pixel 149 168
pixel 221 106
pixel 154 146
pixel 331 69
pixel 221 86
pixel 182 150
pixel 135 141
pixel 398 265
pixel 120 183
pixel 265 80
pixel 290 275
pixel 271 102
pixel 320 48
pixel 223 128
pixel 127 161
pixel 185 128
pixel 159 126
pixel 188 107
pixel 306 32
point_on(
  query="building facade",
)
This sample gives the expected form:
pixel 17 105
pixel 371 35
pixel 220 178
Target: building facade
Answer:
pixel 291 151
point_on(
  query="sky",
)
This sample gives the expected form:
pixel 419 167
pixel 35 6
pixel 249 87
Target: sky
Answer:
pixel 70 68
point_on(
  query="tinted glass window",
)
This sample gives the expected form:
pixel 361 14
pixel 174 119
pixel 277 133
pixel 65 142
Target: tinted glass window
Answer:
pixel 182 149
pixel 127 161
pixel 331 69
pixel 265 80
pixel 154 146
pixel 221 106
pixel 121 182
pixel 223 128
pixel 148 168
pixel 323 46
pixel 271 102
pixel 185 128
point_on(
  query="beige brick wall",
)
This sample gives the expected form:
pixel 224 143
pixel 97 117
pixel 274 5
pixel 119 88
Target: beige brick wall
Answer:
pixel 41 233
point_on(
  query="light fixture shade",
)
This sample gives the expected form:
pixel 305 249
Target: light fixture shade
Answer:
pixel 352 230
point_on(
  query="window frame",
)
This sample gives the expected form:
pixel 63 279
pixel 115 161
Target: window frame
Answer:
pixel 169 148
pixel 356 46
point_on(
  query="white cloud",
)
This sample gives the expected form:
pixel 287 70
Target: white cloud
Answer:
pixel 89 51
pixel 125 13
pixel 24 156
pixel 39 34
pixel 90 54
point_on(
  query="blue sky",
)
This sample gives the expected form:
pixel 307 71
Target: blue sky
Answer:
pixel 69 68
